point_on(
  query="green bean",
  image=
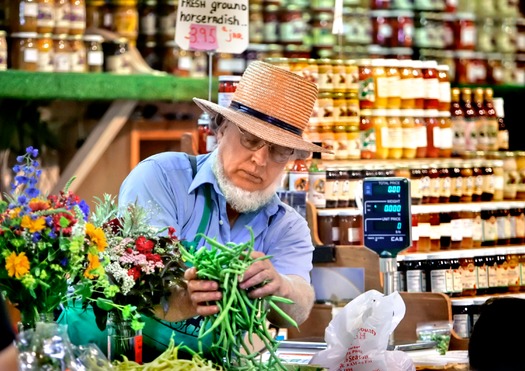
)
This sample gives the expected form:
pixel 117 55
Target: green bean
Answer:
pixel 281 312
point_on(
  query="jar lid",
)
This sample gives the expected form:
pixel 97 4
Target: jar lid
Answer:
pixel 444 114
pixel 93 37
pixel 443 67
pixel 233 78
pixel 350 212
pixel 406 112
pixel 393 112
pixel 327 212
pixel 462 302
pixel 415 257
pixel 27 35
pixel 62 36
pixel 257 47
pixel 45 35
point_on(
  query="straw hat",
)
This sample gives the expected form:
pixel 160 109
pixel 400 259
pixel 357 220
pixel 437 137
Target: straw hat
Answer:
pixel 271 103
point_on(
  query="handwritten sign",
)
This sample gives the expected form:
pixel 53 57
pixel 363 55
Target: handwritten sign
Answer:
pixel 220 26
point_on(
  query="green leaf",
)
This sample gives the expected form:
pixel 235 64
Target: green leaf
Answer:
pixel 105 304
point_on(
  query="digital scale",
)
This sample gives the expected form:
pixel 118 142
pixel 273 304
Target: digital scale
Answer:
pixel 387 222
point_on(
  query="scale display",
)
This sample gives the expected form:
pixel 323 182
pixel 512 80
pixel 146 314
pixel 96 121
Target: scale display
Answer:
pixel 387 218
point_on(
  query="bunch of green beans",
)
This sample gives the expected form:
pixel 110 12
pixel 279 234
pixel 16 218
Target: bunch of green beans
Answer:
pixel 238 314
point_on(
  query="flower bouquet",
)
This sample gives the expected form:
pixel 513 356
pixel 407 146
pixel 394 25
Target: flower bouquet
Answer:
pixel 134 268
pixel 42 246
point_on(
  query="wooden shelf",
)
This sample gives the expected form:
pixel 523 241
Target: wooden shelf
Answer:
pixel 101 86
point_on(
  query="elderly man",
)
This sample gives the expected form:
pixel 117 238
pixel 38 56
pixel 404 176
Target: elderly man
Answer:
pixel 234 188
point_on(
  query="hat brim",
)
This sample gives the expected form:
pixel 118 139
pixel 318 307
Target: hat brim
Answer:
pixel 260 128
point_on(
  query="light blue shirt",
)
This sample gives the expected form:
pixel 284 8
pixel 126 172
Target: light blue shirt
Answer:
pixel 163 183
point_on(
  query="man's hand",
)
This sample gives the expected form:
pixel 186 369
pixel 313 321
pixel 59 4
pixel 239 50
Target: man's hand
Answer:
pixel 261 279
pixel 203 293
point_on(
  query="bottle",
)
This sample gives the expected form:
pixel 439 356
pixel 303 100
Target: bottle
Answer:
pixel 492 119
pixel 482 143
pixel 316 181
pixel 503 133
pixel 471 140
pixel 206 138
pixel 298 176
pixel 458 123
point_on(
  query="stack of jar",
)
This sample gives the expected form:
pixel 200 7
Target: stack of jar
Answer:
pixel 460 226
pixel 463 273
pixel 405 109
pixel 47 35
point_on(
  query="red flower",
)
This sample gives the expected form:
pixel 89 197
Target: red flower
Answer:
pixel 134 272
pixel 114 225
pixel 144 246
pixel 171 232
pixel 153 257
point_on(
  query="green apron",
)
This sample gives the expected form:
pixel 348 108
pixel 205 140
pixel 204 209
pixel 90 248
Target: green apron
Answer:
pixel 82 327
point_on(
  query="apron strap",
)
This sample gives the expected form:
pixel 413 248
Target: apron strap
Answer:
pixel 206 213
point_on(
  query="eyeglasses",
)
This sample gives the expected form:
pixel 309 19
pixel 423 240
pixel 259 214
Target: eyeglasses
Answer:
pixel 277 153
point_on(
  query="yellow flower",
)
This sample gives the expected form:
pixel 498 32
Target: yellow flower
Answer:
pixel 94 263
pixel 17 265
pixel 33 225
pixel 96 236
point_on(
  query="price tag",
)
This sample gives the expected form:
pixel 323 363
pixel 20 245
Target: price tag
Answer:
pixel 203 37
pixel 221 26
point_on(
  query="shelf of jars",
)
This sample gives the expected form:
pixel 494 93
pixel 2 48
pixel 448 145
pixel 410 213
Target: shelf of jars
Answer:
pixel 19 84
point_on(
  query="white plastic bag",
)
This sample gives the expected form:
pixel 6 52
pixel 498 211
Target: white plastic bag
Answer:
pixel 357 337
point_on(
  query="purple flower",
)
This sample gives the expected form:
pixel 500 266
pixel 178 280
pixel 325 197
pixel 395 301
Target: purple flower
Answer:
pixel 85 209
pixel 32 151
pixel 32 192
pixel 52 234
pixel 21 179
pixel 20 159
pixel 22 200
pixel 63 262
pixel 36 237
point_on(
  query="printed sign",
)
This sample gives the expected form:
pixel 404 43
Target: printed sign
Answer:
pixel 220 26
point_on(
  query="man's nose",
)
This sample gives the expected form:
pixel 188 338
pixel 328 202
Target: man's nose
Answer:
pixel 262 155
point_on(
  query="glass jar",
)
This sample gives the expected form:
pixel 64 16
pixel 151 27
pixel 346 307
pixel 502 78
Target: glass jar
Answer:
pixel 147 24
pixel 465 31
pixel 382 32
pixel 98 15
pixel 78 53
pixel 114 56
pixel 461 317
pixel 350 227
pixel 380 125
pixel 520 169
pixel 480 262
pixel 45 53
pixel 256 24
pixel 167 12
pixel 502 271
pixel 513 269
pixel 46 16
pixel 421 133
pixel 434 184
pixel 415 265
pixel 444 87
pixel 3 51
pixel 381 83
pixel 431 83
pixel 325 75
pixel 456 183
pixel 445 239
pixel 444 183
pixel 126 20
pixel 487 193
pixel 511 176
pixel 62 21
pixel 332 187
pixel 327 226
pixel 418 84
pixel 406 85
pixel 499 180
pixel 414 231
pixel 467 220
pixel 321 29
pixel 24 16
pixel 395 134
pixel 467 177
pixel 424 231
pixel 435 230
pixel 477 173
pixel 433 132
pixel 468 272
pixel 440 273
pixel 368 135
pixel 456 228
pixel 503 222
pixel 24 51
pixel 61 54
pixel 517 223
pixel 94 53
pixel 489 225
pixel 367 95
pixel 409 133
pixel 492 271
pixel 416 187
pixel 292 25
pixel 77 17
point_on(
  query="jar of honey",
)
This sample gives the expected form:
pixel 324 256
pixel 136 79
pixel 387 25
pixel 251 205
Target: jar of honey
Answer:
pixel 61 53
pixel 45 53
pixel 380 125
pixel 77 17
pixel 62 20
pixel 24 51
pixel 46 16
pixel 126 20
pixel 24 16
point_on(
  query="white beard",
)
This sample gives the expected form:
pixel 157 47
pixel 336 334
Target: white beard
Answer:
pixel 239 199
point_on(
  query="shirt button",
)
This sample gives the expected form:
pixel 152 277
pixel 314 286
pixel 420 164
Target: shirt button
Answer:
pixel 221 222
